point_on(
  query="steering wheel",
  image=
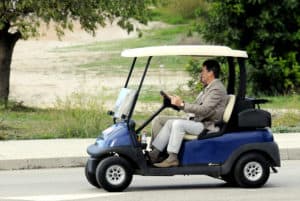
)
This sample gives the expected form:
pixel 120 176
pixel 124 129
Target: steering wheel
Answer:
pixel 167 101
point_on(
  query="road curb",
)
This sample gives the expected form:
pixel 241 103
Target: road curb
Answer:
pixel 67 162
pixel 39 163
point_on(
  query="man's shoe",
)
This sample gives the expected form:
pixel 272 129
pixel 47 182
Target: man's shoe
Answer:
pixel 154 157
pixel 167 163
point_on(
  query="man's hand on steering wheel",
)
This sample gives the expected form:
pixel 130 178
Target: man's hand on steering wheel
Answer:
pixel 171 101
pixel 176 100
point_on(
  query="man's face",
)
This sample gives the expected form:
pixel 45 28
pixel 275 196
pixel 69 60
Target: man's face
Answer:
pixel 205 76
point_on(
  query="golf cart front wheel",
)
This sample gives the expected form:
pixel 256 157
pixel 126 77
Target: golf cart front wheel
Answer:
pixel 252 171
pixel 114 174
pixel 91 177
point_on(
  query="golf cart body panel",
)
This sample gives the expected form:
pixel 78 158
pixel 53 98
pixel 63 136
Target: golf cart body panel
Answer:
pixel 114 136
pixel 217 150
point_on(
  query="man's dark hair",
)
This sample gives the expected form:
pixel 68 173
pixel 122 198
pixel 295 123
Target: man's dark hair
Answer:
pixel 212 65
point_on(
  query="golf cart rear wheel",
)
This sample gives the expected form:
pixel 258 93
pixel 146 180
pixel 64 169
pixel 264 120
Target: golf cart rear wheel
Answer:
pixel 91 177
pixel 114 174
pixel 251 171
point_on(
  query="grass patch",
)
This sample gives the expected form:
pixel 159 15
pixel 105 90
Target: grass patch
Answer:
pixel 178 11
pixel 64 121
pixel 83 116
pixel 283 102
pixel 163 14
pixel 109 61
pixel 286 122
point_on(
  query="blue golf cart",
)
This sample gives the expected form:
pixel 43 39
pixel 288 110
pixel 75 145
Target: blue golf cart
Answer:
pixel 242 153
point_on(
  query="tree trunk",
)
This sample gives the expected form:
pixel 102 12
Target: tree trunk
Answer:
pixel 7 43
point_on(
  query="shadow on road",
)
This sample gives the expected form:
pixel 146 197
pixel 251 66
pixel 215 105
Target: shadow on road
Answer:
pixel 182 187
pixel 210 186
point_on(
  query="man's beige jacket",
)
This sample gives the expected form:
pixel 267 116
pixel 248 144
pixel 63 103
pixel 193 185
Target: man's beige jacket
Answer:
pixel 209 105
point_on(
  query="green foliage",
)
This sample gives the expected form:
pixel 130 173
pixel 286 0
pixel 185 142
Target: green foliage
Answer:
pixel 283 74
pixel 25 15
pixel 269 31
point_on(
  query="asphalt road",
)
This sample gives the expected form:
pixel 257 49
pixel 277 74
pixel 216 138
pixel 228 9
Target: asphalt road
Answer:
pixel 70 184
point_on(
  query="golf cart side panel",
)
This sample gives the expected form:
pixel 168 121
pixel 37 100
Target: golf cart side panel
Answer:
pixel 217 150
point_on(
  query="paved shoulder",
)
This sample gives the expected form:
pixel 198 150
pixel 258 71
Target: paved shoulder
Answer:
pixel 29 154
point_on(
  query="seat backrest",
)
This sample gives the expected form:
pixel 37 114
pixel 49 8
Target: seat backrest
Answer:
pixel 229 108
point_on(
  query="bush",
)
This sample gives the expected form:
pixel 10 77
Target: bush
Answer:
pixel 283 75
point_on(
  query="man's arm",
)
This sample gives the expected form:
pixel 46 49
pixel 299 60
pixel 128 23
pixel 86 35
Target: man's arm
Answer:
pixel 211 101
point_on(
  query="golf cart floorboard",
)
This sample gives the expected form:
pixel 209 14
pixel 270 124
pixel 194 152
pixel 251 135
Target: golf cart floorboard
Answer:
pixel 183 170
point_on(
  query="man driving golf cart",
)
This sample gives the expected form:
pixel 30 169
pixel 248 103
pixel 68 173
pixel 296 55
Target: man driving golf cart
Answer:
pixel 208 108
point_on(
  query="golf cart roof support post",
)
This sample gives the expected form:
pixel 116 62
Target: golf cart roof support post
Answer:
pixel 130 72
pixel 139 89
pixel 231 76
pixel 242 87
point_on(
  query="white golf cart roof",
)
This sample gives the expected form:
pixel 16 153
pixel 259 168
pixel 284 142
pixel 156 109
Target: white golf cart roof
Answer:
pixel 184 50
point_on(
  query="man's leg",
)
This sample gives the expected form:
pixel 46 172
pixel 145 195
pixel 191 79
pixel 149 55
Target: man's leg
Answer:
pixel 157 124
pixel 179 128
pixel 161 140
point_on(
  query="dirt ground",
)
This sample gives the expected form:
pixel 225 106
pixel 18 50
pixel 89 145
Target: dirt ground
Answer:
pixel 39 75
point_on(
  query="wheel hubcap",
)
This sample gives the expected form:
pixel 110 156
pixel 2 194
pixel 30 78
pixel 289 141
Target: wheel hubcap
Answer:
pixel 115 174
pixel 253 171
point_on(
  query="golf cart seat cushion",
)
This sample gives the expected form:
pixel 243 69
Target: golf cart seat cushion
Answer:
pixel 226 116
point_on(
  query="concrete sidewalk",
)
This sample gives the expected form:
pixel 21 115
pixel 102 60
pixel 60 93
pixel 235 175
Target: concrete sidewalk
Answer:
pixel 56 153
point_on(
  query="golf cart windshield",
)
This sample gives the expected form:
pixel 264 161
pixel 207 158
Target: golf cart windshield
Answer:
pixel 124 103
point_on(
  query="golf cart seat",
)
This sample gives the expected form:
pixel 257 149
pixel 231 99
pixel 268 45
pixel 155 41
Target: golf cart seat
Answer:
pixel 222 125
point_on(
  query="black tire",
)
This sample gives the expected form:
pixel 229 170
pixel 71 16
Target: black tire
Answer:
pixel 91 177
pixel 114 174
pixel 251 171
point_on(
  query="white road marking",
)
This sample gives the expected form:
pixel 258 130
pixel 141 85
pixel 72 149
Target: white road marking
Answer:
pixel 63 197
